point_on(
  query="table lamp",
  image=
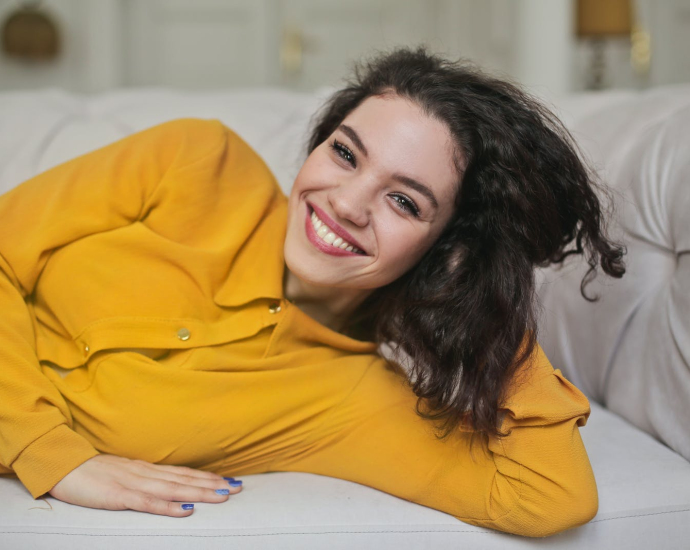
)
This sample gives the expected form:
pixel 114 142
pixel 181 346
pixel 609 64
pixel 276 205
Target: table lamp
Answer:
pixel 599 20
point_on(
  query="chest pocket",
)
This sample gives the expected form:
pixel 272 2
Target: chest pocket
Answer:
pixel 171 358
pixel 155 354
pixel 81 378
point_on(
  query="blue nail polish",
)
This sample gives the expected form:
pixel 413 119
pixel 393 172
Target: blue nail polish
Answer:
pixel 188 507
pixel 236 483
pixel 229 478
pixel 223 491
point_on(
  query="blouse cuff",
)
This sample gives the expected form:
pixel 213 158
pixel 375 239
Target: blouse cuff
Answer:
pixel 42 464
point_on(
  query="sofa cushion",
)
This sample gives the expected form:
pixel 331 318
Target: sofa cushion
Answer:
pixel 639 508
pixel 631 350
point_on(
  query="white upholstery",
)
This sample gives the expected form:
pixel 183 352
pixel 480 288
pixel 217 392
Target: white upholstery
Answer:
pixel 631 351
pixel 40 129
pixel 627 352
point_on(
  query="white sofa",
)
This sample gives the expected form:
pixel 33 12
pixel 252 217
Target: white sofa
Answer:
pixel 629 353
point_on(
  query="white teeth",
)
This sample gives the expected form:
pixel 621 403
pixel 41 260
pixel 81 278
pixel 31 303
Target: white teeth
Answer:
pixel 323 231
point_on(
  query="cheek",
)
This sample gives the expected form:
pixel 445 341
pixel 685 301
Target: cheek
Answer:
pixel 402 245
pixel 312 176
pixel 299 185
pixel 314 168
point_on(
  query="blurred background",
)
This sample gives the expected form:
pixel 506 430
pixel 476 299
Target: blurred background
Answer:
pixel 552 46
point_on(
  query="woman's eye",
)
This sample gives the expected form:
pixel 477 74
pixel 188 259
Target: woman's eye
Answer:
pixel 406 205
pixel 344 152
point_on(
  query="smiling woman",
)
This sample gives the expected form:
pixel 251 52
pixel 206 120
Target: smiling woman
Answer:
pixel 373 197
pixel 457 297
pixel 430 193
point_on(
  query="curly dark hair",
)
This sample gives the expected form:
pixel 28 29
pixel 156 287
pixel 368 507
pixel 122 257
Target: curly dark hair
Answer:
pixel 465 315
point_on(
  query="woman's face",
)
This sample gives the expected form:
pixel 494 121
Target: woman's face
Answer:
pixel 384 183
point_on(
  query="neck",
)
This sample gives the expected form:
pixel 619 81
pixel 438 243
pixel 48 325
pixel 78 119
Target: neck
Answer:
pixel 330 306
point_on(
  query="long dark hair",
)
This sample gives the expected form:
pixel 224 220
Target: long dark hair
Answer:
pixel 465 315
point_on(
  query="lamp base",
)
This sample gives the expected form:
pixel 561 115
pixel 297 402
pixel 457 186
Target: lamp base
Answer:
pixel 597 66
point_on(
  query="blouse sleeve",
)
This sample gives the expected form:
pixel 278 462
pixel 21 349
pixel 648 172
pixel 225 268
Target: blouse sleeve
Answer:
pixel 100 191
pixel 535 482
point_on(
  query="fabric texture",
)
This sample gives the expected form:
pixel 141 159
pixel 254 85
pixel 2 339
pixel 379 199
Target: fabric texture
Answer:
pixel 144 317
pixel 630 350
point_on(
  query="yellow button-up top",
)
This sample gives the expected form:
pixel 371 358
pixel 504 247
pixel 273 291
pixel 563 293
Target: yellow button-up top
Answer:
pixel 143 315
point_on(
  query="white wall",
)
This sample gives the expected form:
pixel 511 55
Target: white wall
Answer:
pixel 543 44
pixel 528 40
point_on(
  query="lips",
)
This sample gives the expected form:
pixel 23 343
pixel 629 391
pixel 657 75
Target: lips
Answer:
pixel 322 245
pixel 337 229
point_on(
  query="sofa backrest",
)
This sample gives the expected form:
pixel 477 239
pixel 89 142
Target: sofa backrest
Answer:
pixel 40 129
pixel 631 350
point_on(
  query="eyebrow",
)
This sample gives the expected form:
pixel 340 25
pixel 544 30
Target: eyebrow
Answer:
pixel 419 187
pixel 349 132
pixel 405 180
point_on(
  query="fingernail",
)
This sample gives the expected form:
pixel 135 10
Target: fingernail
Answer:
pixel 223 491
pixel 236 483
pixel 229 479
pixel 188 507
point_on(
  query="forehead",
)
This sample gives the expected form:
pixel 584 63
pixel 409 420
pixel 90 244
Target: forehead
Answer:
pixel 401 138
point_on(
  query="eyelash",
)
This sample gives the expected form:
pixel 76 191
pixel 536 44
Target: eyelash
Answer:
pixel 344 152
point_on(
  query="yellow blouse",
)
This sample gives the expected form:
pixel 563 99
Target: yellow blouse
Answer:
pixel 144 316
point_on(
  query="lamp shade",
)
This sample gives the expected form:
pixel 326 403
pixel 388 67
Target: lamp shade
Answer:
pixel 604 18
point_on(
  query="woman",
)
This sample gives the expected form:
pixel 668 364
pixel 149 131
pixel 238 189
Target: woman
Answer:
pixel 173 319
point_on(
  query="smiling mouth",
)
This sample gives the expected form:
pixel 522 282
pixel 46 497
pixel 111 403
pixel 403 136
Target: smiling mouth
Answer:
pixel 326 239
pixel 329 236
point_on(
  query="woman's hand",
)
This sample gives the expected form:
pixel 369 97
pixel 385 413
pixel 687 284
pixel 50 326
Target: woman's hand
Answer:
pixel 114 483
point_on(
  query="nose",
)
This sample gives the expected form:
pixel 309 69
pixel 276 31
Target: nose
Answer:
pixel 351 202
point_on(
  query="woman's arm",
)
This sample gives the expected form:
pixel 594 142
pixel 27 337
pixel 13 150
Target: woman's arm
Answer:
pixel 535 482
pixel 101 191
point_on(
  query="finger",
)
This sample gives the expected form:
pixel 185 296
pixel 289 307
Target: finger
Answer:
pixel 187 476
pixel 181 470
pixel 180 492
pixel 214 483
pixel 146 502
